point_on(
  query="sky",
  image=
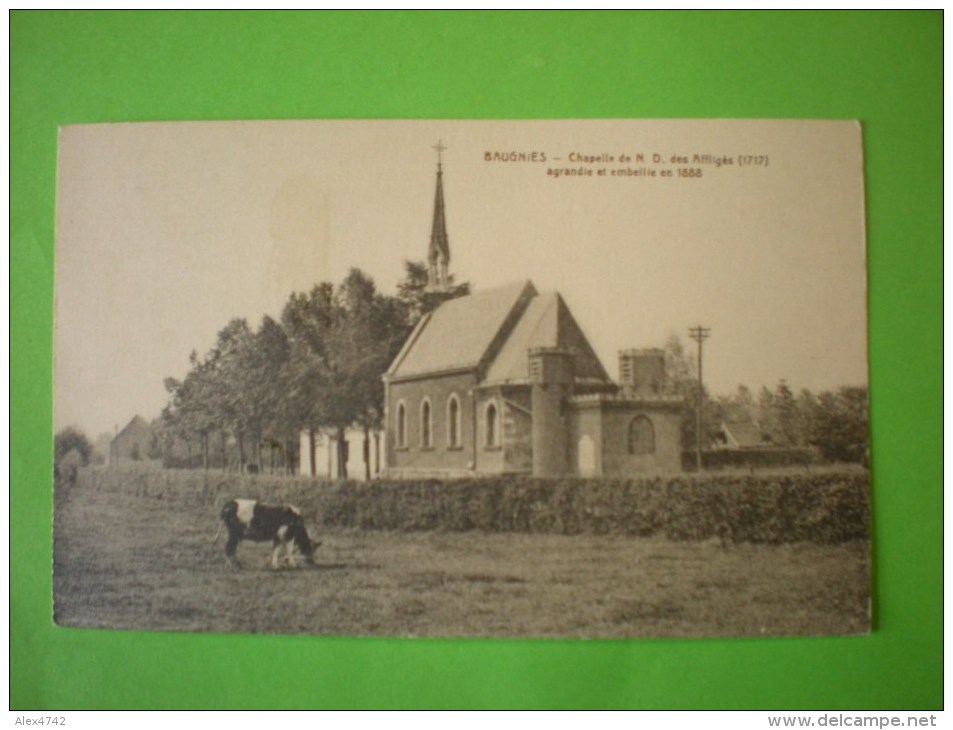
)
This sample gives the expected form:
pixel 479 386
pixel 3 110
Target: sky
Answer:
pixel 166 231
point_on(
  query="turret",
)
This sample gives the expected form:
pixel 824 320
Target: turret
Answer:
pixel 642 372
pixel 551 373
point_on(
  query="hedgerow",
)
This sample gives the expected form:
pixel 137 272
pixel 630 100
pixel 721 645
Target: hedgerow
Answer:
pixel 821 507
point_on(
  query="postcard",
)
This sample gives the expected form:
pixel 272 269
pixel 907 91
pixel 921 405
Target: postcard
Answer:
pixel 584 378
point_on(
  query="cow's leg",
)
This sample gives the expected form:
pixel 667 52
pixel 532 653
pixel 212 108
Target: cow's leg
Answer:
pixel 230 548
pixel 290 553
pixel 300 545
pixel 280 541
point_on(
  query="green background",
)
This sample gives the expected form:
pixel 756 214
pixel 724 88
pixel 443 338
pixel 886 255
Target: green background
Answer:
pixel 882 68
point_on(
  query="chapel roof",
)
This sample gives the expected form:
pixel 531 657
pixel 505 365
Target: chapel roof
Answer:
pixel 459 333
pixel 492 331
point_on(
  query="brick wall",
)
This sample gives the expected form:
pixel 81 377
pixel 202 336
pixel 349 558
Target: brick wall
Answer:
pixel 617 461
pixel 441 456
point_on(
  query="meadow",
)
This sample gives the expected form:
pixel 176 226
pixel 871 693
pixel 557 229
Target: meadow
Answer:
pixel 137 552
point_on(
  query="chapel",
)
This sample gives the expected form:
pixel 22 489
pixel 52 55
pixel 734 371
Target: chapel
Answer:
pixel 504 381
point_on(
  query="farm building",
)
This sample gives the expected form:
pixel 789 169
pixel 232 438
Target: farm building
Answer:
pixel 739 434
pixel 741 442
pixel 135 442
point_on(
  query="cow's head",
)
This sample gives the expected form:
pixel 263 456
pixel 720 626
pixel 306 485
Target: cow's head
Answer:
pixel 313 545
pixel 306 547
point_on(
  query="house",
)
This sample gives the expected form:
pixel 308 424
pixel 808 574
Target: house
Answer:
pixel 740 442
pixel 136 442
pixel 740 434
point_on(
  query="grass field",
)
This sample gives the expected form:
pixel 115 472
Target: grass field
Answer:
pixel 137 562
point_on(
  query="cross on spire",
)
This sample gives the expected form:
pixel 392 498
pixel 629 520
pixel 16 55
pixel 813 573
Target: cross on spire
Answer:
pixel 440 148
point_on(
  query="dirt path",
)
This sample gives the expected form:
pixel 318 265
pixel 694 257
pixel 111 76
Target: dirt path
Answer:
pixel 122 561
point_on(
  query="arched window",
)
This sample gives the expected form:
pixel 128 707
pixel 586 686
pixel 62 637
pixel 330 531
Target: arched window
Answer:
pixel 453 422
pixel 641 436
pixel 492 425
pixel 401 425
pixel 426 425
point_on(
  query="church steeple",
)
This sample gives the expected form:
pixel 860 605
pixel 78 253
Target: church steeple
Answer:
pixel 438 256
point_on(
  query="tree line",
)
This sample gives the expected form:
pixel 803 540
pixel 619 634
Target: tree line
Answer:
pixel 316 369
pixel 833 423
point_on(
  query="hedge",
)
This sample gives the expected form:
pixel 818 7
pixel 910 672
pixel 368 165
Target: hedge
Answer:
pixel 759 458
pixel 820 507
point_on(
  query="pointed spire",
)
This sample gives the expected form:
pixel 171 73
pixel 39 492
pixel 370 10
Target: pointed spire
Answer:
pixel 438 256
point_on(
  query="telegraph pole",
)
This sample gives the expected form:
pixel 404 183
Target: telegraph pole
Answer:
pixel 699 334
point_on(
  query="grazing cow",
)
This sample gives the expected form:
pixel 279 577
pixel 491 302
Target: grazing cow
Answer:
pixel 247 519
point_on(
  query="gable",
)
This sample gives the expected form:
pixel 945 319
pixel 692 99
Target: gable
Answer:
pixel 137 429
pixel 546 322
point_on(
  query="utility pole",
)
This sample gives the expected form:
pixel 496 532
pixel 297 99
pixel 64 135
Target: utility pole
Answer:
pixel 699 334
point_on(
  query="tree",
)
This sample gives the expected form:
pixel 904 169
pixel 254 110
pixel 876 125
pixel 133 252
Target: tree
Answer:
pixel 679 367
pixel 307 320
pixel 190 412
pixel 71 439
pixel 682 380
pixel 267 382
pixel 320 367
pixel 807 408
pixel 785 416
pixel 415 296
pixel 744 400
pixel 173 429
pixel 341 344
pixel 71 449
pixel 235 408
pixel 366 332
pixel 374 329
pixel 767 416
pixel 841 425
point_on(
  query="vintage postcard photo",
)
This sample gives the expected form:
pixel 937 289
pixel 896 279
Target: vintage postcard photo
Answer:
pixel 601 378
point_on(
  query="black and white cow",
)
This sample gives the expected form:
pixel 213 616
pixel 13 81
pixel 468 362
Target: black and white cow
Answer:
pixel 248 519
